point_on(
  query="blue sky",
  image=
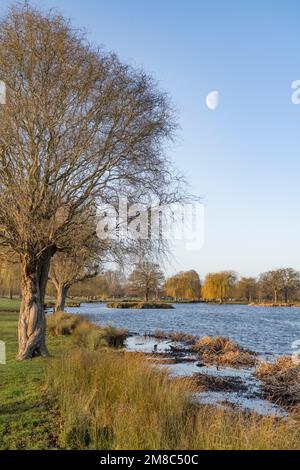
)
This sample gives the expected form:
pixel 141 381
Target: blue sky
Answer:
pixel 243 158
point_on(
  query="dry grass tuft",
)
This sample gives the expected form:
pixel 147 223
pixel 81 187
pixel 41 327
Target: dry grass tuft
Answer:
pixel 62 323
pixel 112 400
pixel 223 351
pixel 281 380
pixel 178 337
pixel 116 401
pixel 84 333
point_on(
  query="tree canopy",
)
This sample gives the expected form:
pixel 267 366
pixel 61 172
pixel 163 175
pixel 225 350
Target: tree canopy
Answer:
pixel 78 128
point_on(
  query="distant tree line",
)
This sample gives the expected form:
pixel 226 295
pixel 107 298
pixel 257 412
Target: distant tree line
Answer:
pixel 146 280
pixel 279 285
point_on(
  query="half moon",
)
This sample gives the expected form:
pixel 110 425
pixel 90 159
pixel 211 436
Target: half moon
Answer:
pixel 212 100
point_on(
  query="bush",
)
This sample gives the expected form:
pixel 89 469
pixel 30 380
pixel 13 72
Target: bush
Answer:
pixel 84 333
pixel 281 380
pixel 177 337
pixel 223 351
pixel 61 323
pixel 115 337
pixel 89 336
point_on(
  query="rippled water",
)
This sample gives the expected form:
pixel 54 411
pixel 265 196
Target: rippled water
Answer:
pixel 266 330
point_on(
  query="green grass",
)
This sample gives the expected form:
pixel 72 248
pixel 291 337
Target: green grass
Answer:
pixel 27 419
pixel 7 305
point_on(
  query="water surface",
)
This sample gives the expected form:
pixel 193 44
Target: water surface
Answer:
pixel 266 330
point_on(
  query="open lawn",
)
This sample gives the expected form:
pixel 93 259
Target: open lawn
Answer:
pixel 8 305
pixel 27 421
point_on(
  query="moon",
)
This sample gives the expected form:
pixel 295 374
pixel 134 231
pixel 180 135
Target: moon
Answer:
pixel 212 100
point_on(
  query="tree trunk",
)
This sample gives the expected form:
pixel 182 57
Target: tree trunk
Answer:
pixel 61 295
pixel 275 296
pixel 32 320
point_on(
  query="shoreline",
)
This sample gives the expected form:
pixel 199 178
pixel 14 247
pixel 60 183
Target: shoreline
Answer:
pixel 27 404
pixel 229 386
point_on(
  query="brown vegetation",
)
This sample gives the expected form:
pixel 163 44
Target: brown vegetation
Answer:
pixel 281 380
pixel 84 333
pixel 62 323
pixel 175 336
pixel 223 351
pixel 207 382
pixel 119 401
pixel 80 262
pixel 145 280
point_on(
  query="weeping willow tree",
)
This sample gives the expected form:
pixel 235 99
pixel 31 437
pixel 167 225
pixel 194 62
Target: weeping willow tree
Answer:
pixel 184 285
pixel 10 275
pixel 219 286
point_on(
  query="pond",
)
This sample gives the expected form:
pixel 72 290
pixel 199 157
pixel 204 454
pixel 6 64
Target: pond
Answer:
pixel 269 331
pixel 266 330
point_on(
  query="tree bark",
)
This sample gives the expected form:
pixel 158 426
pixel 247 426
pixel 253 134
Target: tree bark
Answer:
pixel 32 320
pixel 275 296
pixel 61 295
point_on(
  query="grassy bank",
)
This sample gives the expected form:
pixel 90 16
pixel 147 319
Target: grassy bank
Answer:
pixel 118 401
pixel 27 418
pixel 109 399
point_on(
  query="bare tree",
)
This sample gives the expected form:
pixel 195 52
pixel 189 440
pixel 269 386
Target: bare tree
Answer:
pixel 79 262
pixel 106 285
pixel 246 288
pixel 290 282
pixel 145 279
pixel 77 127
pixel 284 282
